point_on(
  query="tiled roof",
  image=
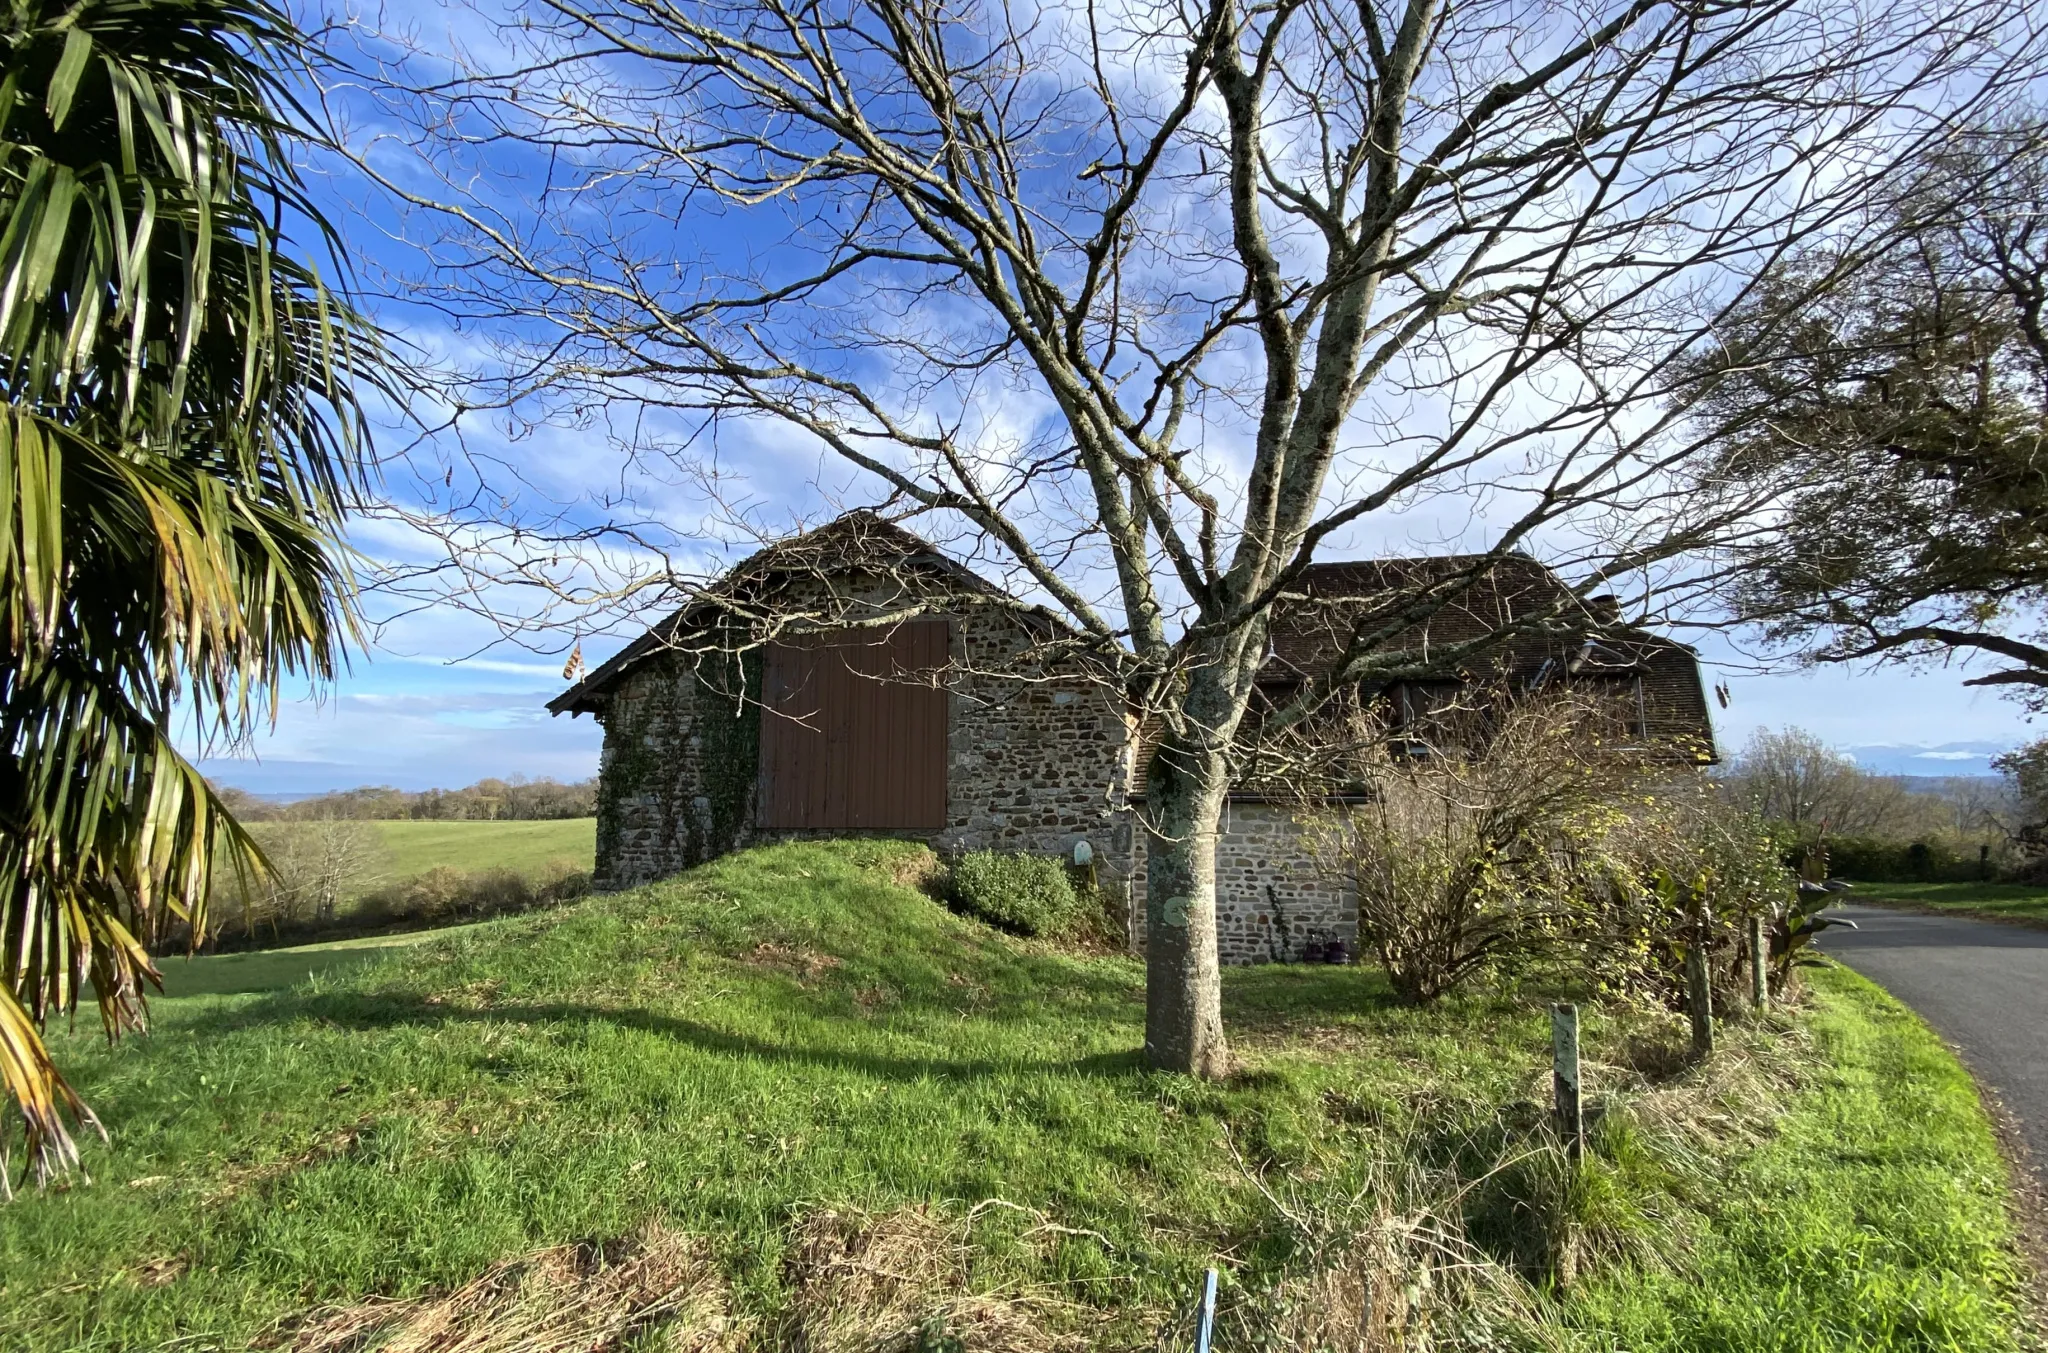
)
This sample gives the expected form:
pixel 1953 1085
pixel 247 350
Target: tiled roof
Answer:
pixel 1566 636
pixel 856 541
pixel 1310 629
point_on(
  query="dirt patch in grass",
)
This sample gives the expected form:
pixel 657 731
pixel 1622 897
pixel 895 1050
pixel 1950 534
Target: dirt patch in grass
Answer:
pixel 167 1269
pixel 805 965
pixel 919 869
pixel 1657 1057
pixel 245 1177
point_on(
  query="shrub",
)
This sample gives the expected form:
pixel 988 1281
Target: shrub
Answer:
pixel 1432 902
pixel 1930 860
pixel 1696 869
pixel 443 894
pixel 561 879
pixel 1487 855
pixel 278 912
pixel 434 895
pixel 2031 871
pixel 1027 894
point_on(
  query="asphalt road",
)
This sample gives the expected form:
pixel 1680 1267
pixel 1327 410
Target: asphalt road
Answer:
pixel 1983 986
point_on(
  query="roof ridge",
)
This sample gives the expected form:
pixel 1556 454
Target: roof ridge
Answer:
pixel 784 557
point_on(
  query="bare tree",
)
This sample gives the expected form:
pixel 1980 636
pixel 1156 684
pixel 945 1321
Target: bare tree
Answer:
pixel 1146 305
pixel 1791 776
pixel 314 866
pixel 1482 840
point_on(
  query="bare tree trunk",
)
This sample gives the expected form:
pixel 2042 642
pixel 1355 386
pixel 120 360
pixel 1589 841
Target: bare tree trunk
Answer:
pixel 1183 985
pixel 1186 786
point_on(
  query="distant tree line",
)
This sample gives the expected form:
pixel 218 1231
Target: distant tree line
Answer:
pixel 490 800
pixel 1883 828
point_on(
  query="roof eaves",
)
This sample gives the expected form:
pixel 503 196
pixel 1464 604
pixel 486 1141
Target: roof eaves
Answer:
pixel 586 696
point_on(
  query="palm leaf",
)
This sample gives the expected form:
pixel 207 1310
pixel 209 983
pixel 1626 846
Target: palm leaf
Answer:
pixel 180 438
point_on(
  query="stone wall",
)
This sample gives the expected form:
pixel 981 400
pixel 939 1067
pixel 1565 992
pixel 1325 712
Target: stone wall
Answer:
pixel 1035 762
pixel 1269 895
pixel 1037 756
pixel 675 778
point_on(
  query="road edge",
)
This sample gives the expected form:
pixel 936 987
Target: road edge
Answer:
pixel 2028 1191
pixel 2026 1179
pixel 1923 909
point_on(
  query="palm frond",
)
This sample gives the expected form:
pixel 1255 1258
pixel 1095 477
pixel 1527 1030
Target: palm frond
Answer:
pixel 180 439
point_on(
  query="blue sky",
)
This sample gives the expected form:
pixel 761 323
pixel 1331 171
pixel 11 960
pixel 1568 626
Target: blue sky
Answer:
pixel 440 699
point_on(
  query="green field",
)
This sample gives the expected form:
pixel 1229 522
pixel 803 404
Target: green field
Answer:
pixel 523 847
pixel 2006 901
pixel 787 1055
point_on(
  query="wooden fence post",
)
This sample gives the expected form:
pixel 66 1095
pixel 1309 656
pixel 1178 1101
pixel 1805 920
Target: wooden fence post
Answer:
pixel 1759 964
pixel 1564 1078
pixel 1699 990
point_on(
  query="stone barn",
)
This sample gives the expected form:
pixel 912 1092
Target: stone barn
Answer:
pixel 856 681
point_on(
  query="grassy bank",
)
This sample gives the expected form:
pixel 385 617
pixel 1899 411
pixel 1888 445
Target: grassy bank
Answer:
pixel 261 971
pixel 788 1058
pixel 1874 1218
pixel 1999 901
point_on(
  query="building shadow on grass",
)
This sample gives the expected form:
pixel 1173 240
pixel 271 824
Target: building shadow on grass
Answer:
pixel 1271 998
pixel 372 1012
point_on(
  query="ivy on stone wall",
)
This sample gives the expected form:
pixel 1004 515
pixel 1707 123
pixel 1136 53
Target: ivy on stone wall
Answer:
pixel 633 763
pixel 729 727
pixel 704 803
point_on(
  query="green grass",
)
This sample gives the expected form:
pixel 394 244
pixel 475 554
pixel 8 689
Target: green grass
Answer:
pixel 788 1030
pixel 1874 1220
pixel 523 847
pixel 2014 901
pixel 266 970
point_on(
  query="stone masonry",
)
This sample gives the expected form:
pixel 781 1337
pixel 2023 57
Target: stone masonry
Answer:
pixel 1039 753
pixel 1036 760
pixel 1270 894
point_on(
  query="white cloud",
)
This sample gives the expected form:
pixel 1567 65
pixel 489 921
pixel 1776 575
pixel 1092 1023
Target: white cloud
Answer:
pixel 413 740
pixel 539 671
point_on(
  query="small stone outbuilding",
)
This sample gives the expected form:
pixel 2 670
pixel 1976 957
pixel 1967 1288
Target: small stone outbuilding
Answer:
pixel 856 681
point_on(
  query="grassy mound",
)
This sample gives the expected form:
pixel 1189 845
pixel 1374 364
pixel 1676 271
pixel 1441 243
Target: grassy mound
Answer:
pixel 803 1073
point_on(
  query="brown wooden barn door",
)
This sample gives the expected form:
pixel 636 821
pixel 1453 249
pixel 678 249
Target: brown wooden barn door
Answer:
pixel 853 737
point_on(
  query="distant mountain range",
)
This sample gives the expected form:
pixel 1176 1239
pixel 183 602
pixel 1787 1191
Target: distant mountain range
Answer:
pixel 1945 761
